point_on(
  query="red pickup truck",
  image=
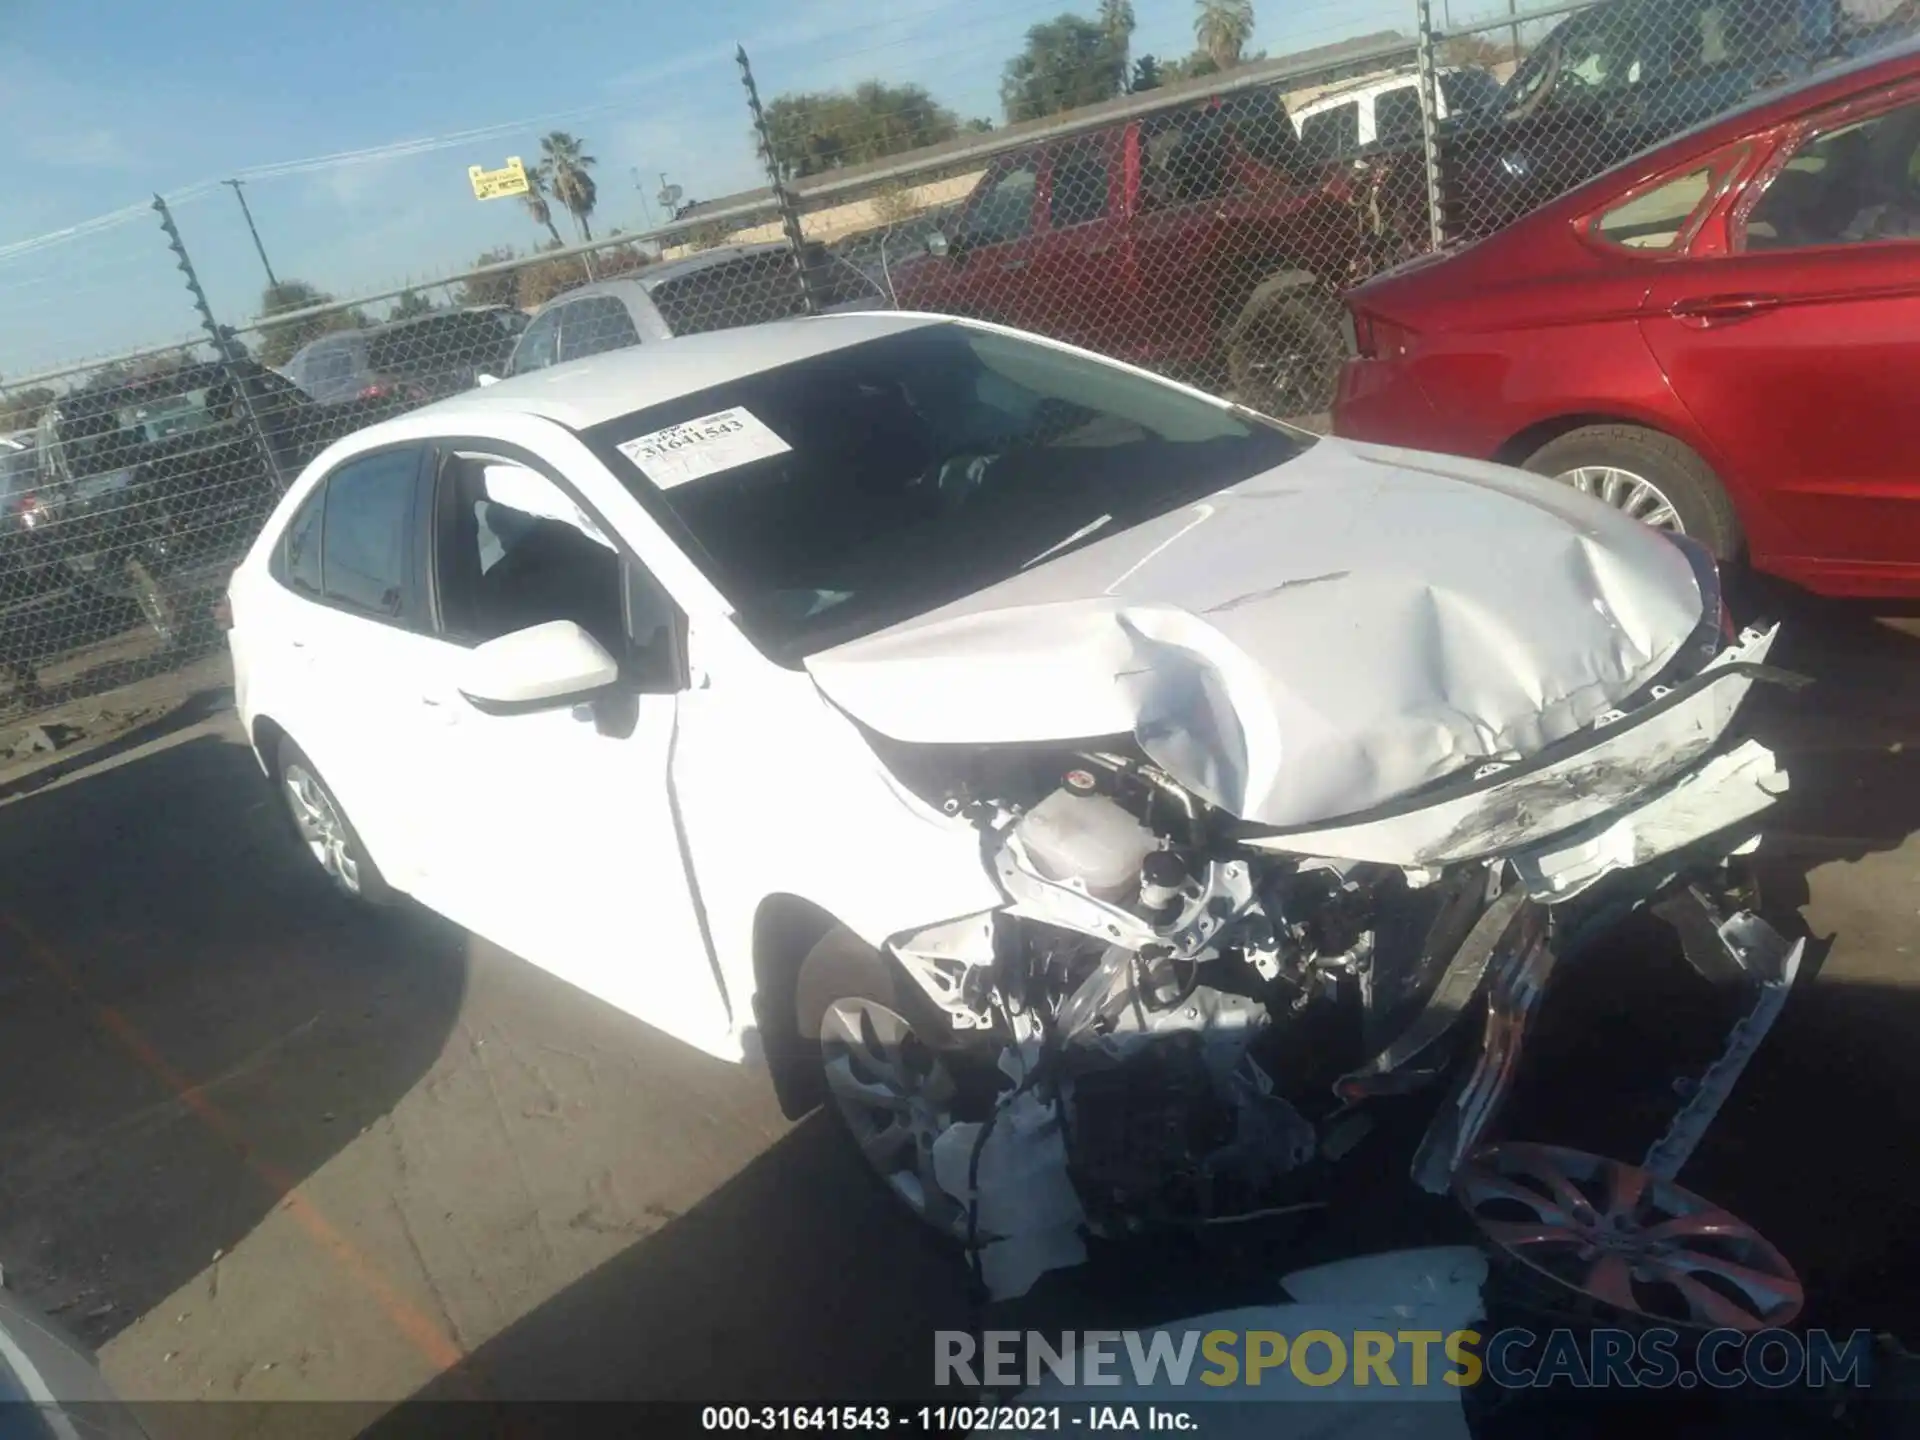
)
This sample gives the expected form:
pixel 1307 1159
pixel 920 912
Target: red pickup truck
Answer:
pixel 1201 242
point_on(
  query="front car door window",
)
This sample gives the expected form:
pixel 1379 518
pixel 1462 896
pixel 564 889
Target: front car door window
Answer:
pixel 514 551
pixel 1004 210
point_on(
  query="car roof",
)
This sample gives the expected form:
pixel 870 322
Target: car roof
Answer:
pixel 583 393
pixel 662 271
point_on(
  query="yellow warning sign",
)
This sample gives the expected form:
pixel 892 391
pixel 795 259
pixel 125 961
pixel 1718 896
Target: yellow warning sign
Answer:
pixel 511 179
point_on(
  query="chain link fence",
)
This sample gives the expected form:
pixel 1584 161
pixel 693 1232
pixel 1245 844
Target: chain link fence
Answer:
pixel 1204 229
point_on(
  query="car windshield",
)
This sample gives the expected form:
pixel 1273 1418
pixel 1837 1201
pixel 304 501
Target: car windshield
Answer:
pixel 834 496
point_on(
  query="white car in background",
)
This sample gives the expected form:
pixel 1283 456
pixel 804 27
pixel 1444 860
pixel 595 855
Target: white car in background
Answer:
pixel 1002 741
pixel 1356 116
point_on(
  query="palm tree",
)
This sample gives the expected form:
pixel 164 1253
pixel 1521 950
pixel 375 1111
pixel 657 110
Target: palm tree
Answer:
pixel 564 165
pixel 1116 21
pixel 536 202
pixel 1223 28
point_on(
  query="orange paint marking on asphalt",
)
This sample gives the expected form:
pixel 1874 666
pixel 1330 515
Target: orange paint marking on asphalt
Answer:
pixel 419 1329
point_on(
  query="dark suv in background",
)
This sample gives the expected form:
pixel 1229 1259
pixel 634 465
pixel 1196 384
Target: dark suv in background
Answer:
pixel 1606 83
pixel 409 361
pixel 146 490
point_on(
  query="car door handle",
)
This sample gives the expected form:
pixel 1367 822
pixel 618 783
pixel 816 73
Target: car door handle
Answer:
pixel 1013 264
pixel 1705 310
pixel 1101 249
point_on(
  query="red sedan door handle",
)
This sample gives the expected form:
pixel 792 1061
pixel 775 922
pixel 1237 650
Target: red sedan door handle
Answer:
pixel 1721 309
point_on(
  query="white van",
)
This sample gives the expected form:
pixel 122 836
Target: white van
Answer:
pixel 1387 109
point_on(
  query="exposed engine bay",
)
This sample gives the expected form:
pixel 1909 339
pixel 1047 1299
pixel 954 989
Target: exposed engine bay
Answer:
pixel 1190 1026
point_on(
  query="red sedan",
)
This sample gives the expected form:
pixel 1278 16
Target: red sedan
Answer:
pixel 1721 337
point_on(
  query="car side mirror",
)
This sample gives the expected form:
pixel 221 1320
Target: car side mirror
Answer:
pixel 938 244
pixel 544 667
pixel 483 379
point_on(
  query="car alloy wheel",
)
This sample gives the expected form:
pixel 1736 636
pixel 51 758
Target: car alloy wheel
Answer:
pixel 321 827
pixel 896 1096
pixel 1632 495
pixel 1635 1241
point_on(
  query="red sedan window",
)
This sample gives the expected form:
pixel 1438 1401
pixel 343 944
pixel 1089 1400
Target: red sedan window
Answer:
pixel 1854 182
pixel 1662 216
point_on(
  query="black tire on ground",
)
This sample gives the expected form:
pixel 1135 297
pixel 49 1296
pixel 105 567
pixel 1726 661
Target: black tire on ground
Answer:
pixel 1285 354
pixel 1705 512
pixel 371 887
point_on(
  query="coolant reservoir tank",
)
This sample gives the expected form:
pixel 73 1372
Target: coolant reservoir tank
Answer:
pixel 1086 838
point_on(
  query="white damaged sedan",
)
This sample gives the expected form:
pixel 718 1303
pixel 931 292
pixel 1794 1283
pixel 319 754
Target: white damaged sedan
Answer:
pixel 1101 794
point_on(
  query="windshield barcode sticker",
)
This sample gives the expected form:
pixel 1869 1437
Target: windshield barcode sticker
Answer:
pixel 724 440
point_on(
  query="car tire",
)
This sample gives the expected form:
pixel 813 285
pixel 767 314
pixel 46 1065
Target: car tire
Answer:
pixel 325 832
pixel 1285 352
pixel 1680 478
pixel 892 1092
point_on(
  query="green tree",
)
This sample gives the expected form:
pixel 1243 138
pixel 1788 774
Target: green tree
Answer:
pixel 409 303
pixel 1068 62
pixel 564 164
pixel 278 342
pixel 500 288
pixel 1146 75
pixel 979 125
pixel 20 409
pixel 1223 28
pixel 819 131
pixel 536 202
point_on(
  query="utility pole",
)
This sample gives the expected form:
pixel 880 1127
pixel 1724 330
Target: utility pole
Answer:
pixel 640 187
pixel 789 212
pixel 252 230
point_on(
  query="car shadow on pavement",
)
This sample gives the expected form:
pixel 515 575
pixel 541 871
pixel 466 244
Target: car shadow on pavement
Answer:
pixel 189 712
pixel 190 1025
pixel 799 1278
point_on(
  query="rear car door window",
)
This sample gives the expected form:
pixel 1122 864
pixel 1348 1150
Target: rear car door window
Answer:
pixel 595 325
pixel 367 533
pixel 1078 189
pixel 1396 114
pixel 298 560
pixel 1184 158
pixel 1330 133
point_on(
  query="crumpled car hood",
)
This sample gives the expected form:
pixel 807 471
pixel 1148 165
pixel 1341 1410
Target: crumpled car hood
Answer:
pixel 1305 644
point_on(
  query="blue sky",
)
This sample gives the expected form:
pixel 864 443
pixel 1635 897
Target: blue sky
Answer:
pixel 107 101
